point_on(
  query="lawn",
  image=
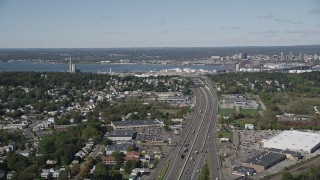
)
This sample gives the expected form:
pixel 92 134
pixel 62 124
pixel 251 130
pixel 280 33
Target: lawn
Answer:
pixel 249 112
pixel 294 104
pixel 226 112
pixel 225 134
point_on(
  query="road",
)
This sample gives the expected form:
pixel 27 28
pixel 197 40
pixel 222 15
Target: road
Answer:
pixel 198 140
pixel 174 153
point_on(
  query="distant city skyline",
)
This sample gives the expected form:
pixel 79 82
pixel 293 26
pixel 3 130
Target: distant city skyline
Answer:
pixel 145 23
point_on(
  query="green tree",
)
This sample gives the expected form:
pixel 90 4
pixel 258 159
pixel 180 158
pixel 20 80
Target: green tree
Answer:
pixel 287 176
pixel 90 132
pixel 205 173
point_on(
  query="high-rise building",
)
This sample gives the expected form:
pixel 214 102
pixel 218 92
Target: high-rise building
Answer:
pixel 237 67
pixel 290 56
pixel 315 57
pixel 244 55
pixel 72 67
pixel 281 56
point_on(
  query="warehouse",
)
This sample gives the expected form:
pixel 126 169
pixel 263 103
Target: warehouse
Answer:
pixel 264 161
pixel 295 141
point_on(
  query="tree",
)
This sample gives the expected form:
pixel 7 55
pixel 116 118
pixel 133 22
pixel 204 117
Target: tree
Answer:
pixel 131 148
pixel 107 141
pixel 287 176
pixel 117 155
pixel 90 132
pixel 129 165
pixel 101 171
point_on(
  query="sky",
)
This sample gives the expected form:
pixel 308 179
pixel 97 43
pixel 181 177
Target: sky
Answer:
pixel 158 23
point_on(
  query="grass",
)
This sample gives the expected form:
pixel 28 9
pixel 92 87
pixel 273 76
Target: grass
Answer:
pixel 163 171
pixel 242 122
pixel 249 112
pixel 226 112
pixel 225 134
pixel 296 100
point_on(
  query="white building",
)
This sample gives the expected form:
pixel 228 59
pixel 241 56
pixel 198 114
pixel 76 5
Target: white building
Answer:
pixel 51 120
pixel 295 141
pixel 249 126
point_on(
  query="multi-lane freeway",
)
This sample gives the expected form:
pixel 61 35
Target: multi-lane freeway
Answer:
pixel 197 142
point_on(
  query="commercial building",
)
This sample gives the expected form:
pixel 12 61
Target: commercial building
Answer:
pixel 118 147
pixel 136 124
pixel 289 154
pixel 264 161
pixel 121 135
pixel 243 171
pixel 295 141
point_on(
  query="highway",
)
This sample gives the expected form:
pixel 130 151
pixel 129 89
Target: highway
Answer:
pixel 198 142
pixel 173 156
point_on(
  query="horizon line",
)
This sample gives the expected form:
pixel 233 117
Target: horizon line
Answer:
pixel 144 47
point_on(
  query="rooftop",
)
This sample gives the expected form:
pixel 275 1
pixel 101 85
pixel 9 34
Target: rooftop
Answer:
pixel 119 147
pixel 121 133
pixel 136 122
pixel 266 159
pixel 294 140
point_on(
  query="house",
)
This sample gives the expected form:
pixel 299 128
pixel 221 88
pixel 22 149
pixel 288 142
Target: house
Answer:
pixel 25 153
pixel 109 160
pixel 51 162
pixel 51 120
pixel 11 174
pixel 12 146
pixel 46 173
pixel 56 174
pixel 133 155
pixel 145 158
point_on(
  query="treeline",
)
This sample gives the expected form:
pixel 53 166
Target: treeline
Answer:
pixel 263 82
pixel 311 174
pixel 280 92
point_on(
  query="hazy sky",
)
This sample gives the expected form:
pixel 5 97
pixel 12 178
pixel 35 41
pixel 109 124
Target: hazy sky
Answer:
pixel 157 23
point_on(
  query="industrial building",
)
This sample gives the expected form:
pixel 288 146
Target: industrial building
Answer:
pixel 136 124
pixel 295 141
pixel 121 135
pixel 264 161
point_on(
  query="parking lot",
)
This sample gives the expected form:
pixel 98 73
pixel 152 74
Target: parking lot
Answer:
pixel 249 146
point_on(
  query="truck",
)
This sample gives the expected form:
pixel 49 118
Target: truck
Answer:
pixel 185 149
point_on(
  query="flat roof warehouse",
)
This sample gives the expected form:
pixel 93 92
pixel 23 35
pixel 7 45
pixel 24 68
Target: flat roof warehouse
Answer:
pixel 136 124
pixel 294 140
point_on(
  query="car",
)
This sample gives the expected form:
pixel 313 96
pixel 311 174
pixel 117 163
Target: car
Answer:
pixel 198 171
pixel 181 156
